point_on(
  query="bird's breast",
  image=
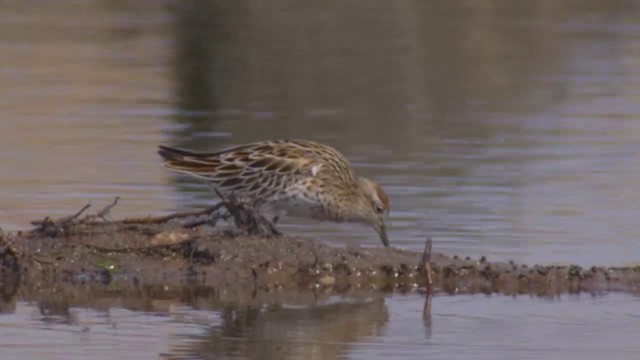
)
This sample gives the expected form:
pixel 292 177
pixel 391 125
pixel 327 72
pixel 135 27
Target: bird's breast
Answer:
pixel 296 204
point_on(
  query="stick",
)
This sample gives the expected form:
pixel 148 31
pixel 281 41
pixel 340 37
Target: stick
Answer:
pixel 65 219
pixel 163 219
pixel 426 263
pixel 133 248
pixel 197 223
pixel 247 218
pixel 426 269
pixel 43 262
pixel 74 216
pixel 104 212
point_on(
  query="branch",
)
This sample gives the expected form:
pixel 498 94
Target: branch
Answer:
pixel 63 220
pixel 163 219
pixel 102 213
pixel 426 269
pixel 426 263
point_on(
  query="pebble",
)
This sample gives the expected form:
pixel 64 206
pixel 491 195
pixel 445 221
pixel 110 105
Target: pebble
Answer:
pixel 327 280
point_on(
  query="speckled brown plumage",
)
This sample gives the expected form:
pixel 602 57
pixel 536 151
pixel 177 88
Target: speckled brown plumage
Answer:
pixel 298 177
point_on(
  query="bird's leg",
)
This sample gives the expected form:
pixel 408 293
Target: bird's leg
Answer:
pixel 277 214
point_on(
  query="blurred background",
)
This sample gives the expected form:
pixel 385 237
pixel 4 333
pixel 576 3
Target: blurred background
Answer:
pixel 499 128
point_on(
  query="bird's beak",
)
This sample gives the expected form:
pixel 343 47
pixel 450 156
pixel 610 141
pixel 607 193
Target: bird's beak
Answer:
pixel 381 229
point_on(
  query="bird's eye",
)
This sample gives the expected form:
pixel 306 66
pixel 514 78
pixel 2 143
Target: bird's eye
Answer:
pixel 379 209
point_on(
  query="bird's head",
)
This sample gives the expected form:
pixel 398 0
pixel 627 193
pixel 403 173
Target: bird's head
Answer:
pixel 373 207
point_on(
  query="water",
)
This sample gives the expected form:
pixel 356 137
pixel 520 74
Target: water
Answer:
pixel 499 129
pixel 516 138
pixel 461 327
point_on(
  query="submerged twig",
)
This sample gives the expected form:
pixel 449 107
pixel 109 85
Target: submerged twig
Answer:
pixel 426 269
pixel 426 263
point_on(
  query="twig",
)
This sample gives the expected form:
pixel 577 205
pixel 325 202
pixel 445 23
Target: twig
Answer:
pixel 426 269
pixel 43 262
pixel 245 214
pixel 247 218
pixel 222 197
pixel 127 249
pixel 74 216
pixel 104 212
pixel 59 223
pixel 426 263
pixel 210 222
pixel 63 220
pixel 163 219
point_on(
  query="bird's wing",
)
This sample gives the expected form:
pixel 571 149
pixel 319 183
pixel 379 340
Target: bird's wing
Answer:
pixel 259 169
pixel 328 161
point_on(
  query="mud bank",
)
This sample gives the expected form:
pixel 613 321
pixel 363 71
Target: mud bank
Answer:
pixel 182 250
pixel 171 256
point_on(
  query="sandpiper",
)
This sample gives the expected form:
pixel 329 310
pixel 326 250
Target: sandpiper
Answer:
pixel 295 177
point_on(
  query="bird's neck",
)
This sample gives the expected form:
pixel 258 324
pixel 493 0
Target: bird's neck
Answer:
pixel 348 205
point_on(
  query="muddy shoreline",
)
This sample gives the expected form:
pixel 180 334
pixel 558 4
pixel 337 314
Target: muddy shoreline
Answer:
pixel 183 252
pixel 115 255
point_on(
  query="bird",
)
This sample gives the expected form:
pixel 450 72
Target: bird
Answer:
pixel 299 178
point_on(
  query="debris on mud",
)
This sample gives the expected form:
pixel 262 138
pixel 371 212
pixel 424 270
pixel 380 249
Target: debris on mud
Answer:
pixel 185 249
pixel 9 256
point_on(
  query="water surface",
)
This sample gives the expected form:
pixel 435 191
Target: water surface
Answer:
pixel 515 138
pixel 508 131
pixel 461 327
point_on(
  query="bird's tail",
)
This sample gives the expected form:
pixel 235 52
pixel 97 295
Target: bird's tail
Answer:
pixel 195 163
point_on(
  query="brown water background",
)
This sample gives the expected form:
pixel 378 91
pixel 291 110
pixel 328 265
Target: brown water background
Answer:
pixel 502 128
